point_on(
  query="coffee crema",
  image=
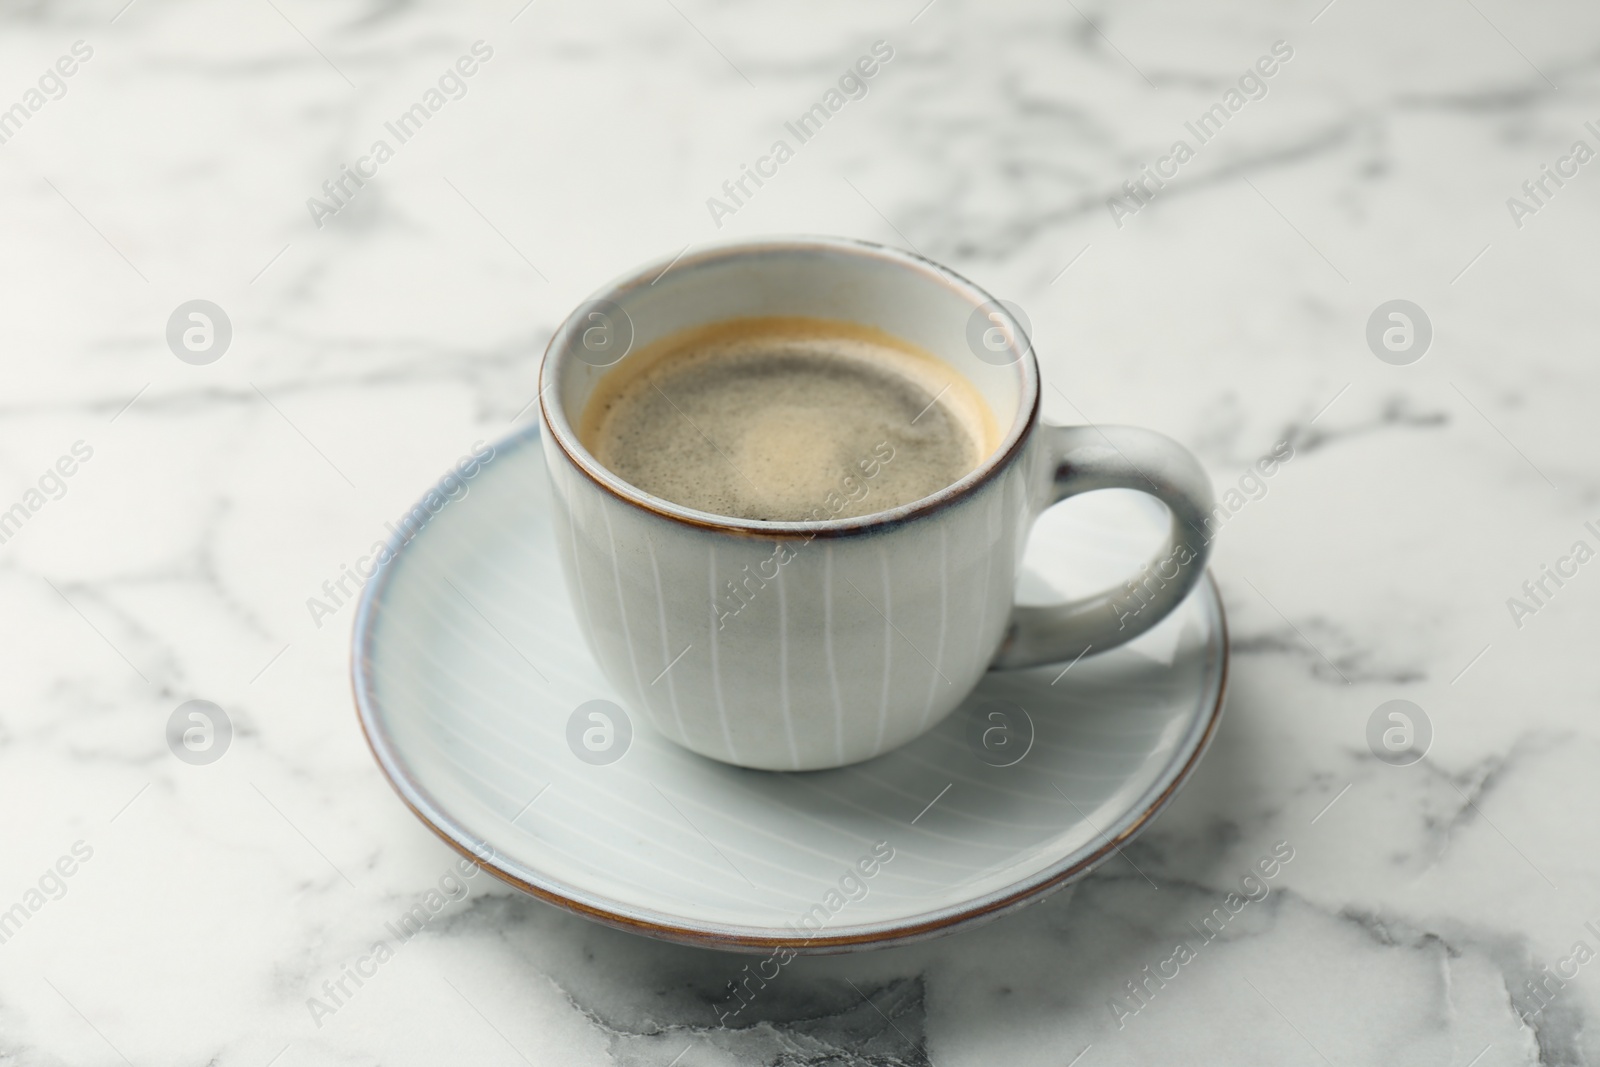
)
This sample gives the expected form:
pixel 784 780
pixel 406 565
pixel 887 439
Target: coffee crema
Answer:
pixel 787 419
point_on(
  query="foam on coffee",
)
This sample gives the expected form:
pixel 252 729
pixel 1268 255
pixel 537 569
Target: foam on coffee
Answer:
pixel 787 419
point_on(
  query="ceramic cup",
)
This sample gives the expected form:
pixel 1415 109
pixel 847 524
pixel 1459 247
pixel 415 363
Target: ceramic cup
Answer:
pixel 805 645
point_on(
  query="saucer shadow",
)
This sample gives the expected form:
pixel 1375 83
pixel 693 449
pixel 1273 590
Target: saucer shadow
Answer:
pixel 1052 967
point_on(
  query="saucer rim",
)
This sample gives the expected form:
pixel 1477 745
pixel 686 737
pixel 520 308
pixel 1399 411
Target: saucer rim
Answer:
pixel 730 938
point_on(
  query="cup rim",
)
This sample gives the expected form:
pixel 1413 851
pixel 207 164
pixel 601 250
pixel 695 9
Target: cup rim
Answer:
pixel 554 417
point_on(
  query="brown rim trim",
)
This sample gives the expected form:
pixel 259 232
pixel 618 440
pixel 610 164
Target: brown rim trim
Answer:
pixel 800 531
pixel 821 945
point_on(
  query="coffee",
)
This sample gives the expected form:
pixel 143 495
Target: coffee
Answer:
pixel 787 419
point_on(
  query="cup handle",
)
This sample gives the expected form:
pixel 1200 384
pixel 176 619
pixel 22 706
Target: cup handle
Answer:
pixel 1083 459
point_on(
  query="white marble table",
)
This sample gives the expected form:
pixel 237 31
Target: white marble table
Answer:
pixel 206 905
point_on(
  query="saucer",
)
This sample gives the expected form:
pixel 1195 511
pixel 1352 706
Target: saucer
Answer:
pixel 490 718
